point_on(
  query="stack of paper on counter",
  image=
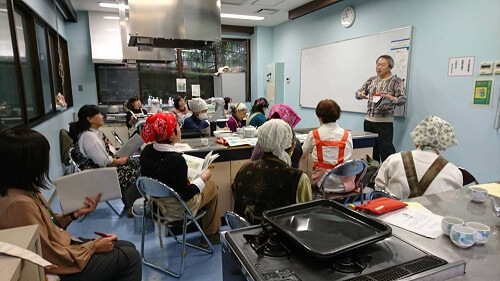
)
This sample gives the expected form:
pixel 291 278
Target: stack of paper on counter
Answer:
pixel 416 219
pixel 180 146
pixel 236 141
pixel 197 165
pixel 301 137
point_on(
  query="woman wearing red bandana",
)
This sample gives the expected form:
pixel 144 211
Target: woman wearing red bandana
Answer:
pixel 160 160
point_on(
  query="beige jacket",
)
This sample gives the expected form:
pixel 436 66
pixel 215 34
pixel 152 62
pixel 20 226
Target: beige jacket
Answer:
pixel 19 208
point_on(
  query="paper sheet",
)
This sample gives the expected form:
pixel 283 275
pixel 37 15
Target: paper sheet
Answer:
pixel 422 222
pixel 73 189
pixel 301 137
pixel 236 141
pixel 131 146
pixel 16 251
pixel 181 147
pixel 493 188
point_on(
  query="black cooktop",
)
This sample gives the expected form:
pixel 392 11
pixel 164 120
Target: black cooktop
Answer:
pixel 266 255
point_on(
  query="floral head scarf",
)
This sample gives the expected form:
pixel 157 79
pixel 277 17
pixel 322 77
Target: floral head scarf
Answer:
pixel 434 132
pixel 286 113
pixel 197 105
pixel 159 127
pixel 276 136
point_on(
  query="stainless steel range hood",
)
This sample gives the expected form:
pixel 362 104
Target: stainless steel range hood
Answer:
pixel 183 24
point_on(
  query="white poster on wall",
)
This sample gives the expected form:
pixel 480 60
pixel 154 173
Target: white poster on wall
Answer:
pixel 195 91
pixel 461 66
pixel 181 84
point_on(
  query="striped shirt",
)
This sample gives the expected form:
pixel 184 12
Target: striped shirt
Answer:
pixel 384 112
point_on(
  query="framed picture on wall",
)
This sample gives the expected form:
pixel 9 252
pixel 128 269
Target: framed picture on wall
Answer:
pixel 483 91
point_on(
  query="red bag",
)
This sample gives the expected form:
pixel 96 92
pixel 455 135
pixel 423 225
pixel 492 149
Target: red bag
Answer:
pixel 381 205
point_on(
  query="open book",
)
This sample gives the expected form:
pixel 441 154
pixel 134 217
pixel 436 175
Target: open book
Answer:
pixel 237 141
pixel 197 165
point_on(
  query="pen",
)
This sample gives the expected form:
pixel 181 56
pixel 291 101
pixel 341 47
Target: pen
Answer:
pixel 101 234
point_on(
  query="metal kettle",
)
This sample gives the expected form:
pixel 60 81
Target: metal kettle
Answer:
pixel 494 205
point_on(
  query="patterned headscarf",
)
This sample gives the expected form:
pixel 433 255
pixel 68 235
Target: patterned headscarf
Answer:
pixel 159 127
pixel 434 132
pixel 276 136
pixel 286 113
pixel 197 105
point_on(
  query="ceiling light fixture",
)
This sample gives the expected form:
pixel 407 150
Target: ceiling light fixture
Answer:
pixel 242 17
pixel 3 10
pixel 110 18
pixel 112 5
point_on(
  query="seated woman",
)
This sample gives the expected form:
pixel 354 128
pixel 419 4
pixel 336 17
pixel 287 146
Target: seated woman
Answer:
pixel 161 161
pixel 180 109
pixel 256 189
pixel 98 152
pixel 197 121
pixel 239 111
pixel 135 111
pixel 257 115
pixel 227 101
pixel 330 145
pixel 287 114
pixel 22 204
pixel 422 171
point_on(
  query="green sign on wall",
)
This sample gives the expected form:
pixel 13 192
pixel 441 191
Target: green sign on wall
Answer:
pixel 482 92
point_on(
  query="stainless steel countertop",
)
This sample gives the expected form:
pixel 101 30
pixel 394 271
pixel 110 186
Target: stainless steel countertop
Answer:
pixel 355 134
pixel 195 143
pixel 480 259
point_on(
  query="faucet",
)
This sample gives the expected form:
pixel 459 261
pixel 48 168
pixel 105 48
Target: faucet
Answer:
pixel 496 208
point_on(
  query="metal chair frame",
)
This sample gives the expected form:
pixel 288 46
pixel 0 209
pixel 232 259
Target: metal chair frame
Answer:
pixel 117 138
pixel 348 168
pixel 162 190
pixel 74 169
pixel 235 221
pixel 377 193
pixel 467 177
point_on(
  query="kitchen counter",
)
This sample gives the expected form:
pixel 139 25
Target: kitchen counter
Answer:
pixel 362 141
pixel 482 261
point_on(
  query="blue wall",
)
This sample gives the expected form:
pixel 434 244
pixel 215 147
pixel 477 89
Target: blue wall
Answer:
pixel 80 59
pixel 442 29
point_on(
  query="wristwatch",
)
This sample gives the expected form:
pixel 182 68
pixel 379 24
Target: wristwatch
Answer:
pixel 72 216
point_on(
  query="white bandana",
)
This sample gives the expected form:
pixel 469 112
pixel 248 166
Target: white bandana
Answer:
pixel 434 132
pixel 276 136
pixel 197 105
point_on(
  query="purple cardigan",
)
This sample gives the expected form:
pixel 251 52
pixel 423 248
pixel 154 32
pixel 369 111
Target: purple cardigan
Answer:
pixel 232 123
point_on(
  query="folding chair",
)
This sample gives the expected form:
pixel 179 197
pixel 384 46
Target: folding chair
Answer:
pixel 73 156
pixel 235 221
pixel 378 193
pixel 467 177
pixel 152 189
pixel 351 167
pixel 117 138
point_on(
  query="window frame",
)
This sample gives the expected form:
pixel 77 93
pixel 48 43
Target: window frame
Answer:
pixel 32 19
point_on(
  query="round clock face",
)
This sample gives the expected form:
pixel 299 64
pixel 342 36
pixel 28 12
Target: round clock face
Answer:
pixel 348 16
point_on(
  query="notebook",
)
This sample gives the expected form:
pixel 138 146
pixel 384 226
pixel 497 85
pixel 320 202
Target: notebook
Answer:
pixel 73 189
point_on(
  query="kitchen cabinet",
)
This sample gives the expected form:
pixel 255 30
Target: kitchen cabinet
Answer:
pixel 12 268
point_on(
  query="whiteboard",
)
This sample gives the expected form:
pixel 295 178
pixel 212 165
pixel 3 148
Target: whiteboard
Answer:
pixel 337 70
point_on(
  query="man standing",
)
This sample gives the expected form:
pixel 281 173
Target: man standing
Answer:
pixel 384 92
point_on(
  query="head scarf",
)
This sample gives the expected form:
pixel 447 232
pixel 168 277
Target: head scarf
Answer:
pixel 197 105
pixel 159 127
pixel 286 113
pixel 238 107
pixel 434 132
pixel 276 136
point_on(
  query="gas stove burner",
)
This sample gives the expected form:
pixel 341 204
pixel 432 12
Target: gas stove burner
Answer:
pixel 351 264
pixel 267 243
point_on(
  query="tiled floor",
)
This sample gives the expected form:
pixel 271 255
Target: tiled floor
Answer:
pixel 198 265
